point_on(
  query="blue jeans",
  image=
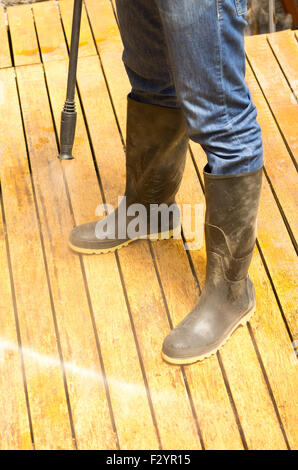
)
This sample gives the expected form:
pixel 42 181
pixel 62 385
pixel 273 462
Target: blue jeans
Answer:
pixel 189 54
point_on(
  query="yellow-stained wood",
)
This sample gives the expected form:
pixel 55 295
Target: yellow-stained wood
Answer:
pixel 134 423
pixel 279 166
pixel 84 375
pixel 213 408
pixel 239 358
pixel 109 44
pixel 5 59
pixel 14 422
pixel 86 43
pixel 23 36
pixel 275 87
pixel 213 429
pixel 169 397
pixel 268 328
pixel 114 5
pixel 49 31
pixel 280 257
pixel 104 30
pixel 39 342
pixel 143 397
pixel 273 236
pixel 168 393
pixel 276 351
pixel 256 434
pixel 285 48
pixel 117 84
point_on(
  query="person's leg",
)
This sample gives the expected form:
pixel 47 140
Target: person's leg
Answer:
pixel 156 139
pixel 206 50
pixel 228 298
pixel 145 54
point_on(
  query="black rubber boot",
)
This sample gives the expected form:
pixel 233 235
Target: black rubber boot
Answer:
pixel 156 145
pixel 228 298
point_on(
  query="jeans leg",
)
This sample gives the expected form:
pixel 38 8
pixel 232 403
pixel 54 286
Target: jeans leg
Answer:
pixel 206 52
pixel 145 54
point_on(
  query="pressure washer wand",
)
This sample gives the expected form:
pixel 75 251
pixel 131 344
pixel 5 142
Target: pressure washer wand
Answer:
pixel 69 115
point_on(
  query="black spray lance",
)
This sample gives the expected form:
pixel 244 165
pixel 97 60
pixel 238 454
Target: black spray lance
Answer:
pixel 69 115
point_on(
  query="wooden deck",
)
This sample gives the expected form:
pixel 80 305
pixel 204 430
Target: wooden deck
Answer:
pixel 80 336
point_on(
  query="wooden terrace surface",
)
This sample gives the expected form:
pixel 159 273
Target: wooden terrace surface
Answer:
pixel 80 336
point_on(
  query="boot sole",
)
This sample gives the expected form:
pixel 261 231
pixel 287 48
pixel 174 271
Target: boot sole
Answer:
pixel 191 360
pixel 98 251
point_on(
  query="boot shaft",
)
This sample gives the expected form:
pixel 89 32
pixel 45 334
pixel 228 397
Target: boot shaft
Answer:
pixel 232 203
pixel 156 145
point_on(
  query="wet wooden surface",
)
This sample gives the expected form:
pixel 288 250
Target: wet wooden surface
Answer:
pixel 80 336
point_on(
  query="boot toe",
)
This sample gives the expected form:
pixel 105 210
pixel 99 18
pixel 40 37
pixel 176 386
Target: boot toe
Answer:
pixel 83 236
pixel 177 346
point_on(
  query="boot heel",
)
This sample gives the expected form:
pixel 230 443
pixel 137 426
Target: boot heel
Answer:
pixel 248 316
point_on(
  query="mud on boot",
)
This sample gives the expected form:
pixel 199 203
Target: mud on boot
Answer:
pixel 228 298
pixel 156 145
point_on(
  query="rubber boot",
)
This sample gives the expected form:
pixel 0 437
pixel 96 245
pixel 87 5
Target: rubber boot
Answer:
pixel 228 298
pixel 156 145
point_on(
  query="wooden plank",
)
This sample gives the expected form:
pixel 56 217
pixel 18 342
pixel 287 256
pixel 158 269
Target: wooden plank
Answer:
pixel 104 30
pixel 169 397
pixel 86 43
pixel 14 422
pixel 280 257
pixel 5 59
pixel 273 235
pixel 215 415
pixel 84 375
pixel 279 167
pixel 239 350
pixel 114 5
pixel 23 36
pixel 113 87
pixel 49 31
pixel 109 44
pixel 275 87
pixel 170 401
pixel 268 327
pixel 134 423
pixel 285 48
pixel 215 435
pixel 51 426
